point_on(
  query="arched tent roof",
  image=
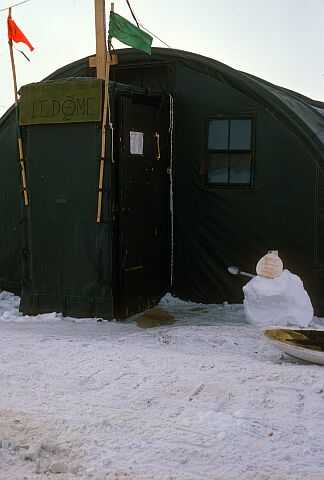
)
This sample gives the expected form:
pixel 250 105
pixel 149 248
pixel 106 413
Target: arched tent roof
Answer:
pixel 302 114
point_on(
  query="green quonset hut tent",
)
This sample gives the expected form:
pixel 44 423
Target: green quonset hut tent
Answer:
pixel 245 162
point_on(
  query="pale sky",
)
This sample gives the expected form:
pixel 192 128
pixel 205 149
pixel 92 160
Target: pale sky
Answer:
pixel 281 41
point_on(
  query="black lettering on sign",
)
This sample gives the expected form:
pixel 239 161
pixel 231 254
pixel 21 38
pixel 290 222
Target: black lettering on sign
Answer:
pixel 43 108
pixel 35 113
pixel 68 108
pixel 56 108
pixel 80 106
pixel 89 105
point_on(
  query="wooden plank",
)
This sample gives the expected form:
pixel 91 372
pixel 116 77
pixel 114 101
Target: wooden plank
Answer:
pixel 101 48
pixel 93 60
pixel 113 59
pixel 104 128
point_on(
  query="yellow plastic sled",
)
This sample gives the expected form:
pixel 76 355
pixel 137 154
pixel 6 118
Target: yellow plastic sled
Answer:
pixel 305 345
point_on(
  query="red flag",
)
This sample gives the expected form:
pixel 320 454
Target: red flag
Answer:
pixel 16 35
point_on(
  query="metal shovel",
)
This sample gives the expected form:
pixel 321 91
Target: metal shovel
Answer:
pixel 236 271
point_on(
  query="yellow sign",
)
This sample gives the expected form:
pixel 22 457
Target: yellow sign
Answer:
pixel 61 102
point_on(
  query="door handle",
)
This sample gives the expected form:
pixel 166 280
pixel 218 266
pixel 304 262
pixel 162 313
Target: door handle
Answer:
pixel 157 137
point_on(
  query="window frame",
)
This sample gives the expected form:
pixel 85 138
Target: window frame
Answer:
pixel 251 151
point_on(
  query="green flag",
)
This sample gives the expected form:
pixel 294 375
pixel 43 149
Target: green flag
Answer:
pixel 127 33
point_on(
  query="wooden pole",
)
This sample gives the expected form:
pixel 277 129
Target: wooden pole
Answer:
pixel 20 143
pixel 104 127
pixel 101 48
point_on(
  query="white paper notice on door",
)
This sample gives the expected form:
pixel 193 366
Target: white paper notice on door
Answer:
pixel 136 143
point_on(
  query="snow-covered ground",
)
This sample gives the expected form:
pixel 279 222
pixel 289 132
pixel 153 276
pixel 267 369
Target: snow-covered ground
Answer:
pixel 204 396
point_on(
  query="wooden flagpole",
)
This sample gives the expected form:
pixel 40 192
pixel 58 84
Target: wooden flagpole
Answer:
pixel 20 143
pixel 104 127
pixel 101 43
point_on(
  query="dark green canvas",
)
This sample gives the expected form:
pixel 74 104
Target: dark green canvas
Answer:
pixel 216 225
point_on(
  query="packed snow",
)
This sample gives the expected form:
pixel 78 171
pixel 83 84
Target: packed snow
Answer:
pixel 280 301
pixel 200 395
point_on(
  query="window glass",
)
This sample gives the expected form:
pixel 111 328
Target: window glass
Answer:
pixel 229 151
pixel 240 168
pixel 240 134
pixel 218 167
pixel 218 134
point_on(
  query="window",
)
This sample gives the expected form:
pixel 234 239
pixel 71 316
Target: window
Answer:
pixel 229 156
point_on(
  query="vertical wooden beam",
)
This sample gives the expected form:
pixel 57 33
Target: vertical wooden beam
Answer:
pixel 101 46
pixel 104 128
pixel 20 144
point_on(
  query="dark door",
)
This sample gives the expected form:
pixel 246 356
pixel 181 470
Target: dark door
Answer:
pixel 143 264
pixel 67 260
